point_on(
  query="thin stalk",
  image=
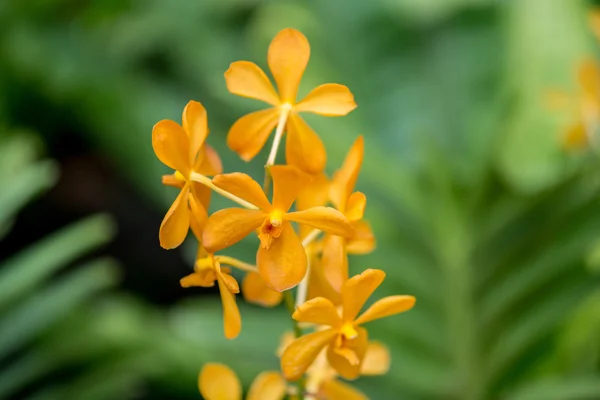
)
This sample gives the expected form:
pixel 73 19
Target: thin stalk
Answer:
pixel 285 112
pixel 206 181
pixel 234 262
pixel 303 286
pixel 289 304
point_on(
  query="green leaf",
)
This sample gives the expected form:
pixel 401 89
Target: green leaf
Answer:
pixel 23 186
pixel 556 389
pixel 20 274
pixel 544 53
pixel 51 303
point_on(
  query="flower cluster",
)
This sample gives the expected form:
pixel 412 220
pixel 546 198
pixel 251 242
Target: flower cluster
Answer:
pixel 306 222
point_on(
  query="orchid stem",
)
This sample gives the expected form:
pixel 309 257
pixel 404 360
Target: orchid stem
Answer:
pixel 234 262
pixel 206 181
pixel 310 237
pixel 285 112
pixel 303 286
pixel 289 304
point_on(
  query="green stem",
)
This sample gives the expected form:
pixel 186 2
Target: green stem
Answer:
pixel 283 116
pixel 289 304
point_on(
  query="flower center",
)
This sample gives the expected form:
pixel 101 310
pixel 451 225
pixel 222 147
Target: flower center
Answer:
pixel 348 331
pixel 286 107
pixel 270 229
pixel 179 176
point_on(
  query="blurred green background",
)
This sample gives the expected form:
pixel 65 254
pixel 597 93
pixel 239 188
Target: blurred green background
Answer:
pixel 477 209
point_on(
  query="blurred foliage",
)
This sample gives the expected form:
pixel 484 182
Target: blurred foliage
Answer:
pixel 477 209
pixel 67 328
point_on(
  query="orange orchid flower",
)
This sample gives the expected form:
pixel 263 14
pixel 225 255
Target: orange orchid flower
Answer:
pixel 352 205
pixel 182 148
pixel 321 378
pixel 219 382
pixel 207 270
pixel 281 258
pixel 346 340
pixel 287 58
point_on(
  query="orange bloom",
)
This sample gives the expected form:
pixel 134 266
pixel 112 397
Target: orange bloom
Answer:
pixel 207 270
pixel 352 205
pixel 346 340
pixel 183 149
pixel 287 58
pixel 219 382
pixel 281 258
pixel 321 378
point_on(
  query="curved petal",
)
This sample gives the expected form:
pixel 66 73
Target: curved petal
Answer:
pixel 363 240
pixel 316 193
pixel 347 360
pixel 269 385
pixel 319 286
pixel 377 359
pixel 228 226
pixel 336 390
pixel 249 134
pixel 201 193
pixel 335 261
pixel 229 281
pixel 198 216
pixel 345 178
pixel 171 145
pixel 285 340
pixel 232 321
pixel 173 181
pixel 204 278
pixel 247 79
pixel 283 265
pixel 326 219
pixel 358 289
pixel 175 225
pixel 355 206
pixel 288 181
pixel 219 382
pixel 195 125
pixel 330 99
pixel 386 307
pixel 318 311
pixel 255 290
pixel 287 57
pixel 241 185
pixel 301 353
pixel 210 163
pixel 303 147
